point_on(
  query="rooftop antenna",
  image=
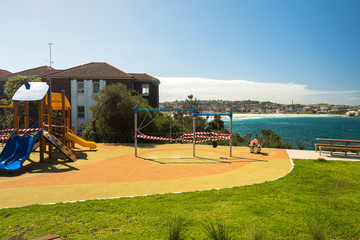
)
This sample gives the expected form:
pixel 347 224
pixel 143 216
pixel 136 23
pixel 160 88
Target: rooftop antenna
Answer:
pixel 50 53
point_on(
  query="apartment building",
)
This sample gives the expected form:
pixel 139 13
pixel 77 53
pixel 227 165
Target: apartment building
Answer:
pixel 82 82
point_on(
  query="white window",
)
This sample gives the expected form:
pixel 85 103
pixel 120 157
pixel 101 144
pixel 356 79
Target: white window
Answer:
pixel 145 89
pixel 80 87
pixel 96 87
pixel 81 111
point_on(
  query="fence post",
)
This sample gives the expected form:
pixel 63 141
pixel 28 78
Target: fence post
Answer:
pixel 135 131
pixel 194 130
pixel 231 136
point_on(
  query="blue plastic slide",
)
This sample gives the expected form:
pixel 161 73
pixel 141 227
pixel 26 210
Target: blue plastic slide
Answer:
pixel 10 146
pixel 21 153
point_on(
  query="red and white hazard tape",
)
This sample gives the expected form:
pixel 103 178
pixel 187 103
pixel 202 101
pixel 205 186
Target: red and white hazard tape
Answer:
pixel 206 133
pixel 8 130
pixel 153 138
pixel 21 130
pixel 4 137
pixel 188 137
pixel 53 125
pixel 29 129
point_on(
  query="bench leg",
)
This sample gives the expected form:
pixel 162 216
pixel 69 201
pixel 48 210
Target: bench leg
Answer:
pixel 320 151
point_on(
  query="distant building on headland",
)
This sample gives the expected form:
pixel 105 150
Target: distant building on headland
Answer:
pixel 353 113
pixel 258 107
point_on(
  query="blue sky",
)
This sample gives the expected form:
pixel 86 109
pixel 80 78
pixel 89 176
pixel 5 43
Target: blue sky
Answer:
pixel 309 50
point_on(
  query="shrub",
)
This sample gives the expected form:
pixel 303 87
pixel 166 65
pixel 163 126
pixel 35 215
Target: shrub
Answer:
pixel 217 230
pixel 288 145
pixel 301 145
pixel 176 228
pixel 238 140
pixel 269 138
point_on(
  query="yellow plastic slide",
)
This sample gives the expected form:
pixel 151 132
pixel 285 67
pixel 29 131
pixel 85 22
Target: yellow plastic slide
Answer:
pixel 80 141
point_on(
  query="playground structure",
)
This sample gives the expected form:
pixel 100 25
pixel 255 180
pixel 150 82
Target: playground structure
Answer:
pixel 255 146
pixel 18 148
pixel 186 137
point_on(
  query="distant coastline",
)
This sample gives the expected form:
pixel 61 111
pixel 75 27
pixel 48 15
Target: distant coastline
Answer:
pixel 296 128
pixel 250 115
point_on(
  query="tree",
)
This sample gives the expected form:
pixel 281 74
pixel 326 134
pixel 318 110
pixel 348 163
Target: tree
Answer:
pixel 114 115
pixel 11 86
pixel 14 83
pixel 269 138
pixel 6 117
pixel 191 102
pixel 216 124
pixel 114 109
pixel 185 119
pixel 238 140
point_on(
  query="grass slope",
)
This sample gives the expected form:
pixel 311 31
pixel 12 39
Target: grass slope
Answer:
pixel 318 199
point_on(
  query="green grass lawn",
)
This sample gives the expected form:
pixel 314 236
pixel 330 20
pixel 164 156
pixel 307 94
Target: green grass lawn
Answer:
pixel 318 198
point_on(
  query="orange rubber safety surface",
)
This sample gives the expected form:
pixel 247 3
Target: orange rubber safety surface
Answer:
pixel 113 171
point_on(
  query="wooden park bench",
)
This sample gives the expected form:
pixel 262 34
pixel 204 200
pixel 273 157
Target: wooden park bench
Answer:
pixel 346 146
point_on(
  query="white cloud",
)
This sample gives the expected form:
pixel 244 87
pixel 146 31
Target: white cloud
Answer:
pixel 178 88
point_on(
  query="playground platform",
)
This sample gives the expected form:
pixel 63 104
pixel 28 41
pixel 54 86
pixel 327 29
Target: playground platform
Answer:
pixel 112 171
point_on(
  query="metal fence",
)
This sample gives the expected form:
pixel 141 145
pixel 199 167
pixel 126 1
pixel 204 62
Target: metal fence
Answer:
pixel 302 143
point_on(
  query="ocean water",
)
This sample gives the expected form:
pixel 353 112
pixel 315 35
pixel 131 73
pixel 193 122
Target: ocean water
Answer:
pixel 295 129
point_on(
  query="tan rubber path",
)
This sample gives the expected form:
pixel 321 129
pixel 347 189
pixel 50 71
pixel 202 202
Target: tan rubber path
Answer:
pixel 113 171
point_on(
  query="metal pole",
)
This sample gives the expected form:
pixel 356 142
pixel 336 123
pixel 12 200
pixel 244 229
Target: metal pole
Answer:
pixel 41 126
pixel 26 111
pixel 16 117
pixel 194 129
pixel 49 110
pixel 50 54
pixel 63 129
pixel 135 132
pixel 231 137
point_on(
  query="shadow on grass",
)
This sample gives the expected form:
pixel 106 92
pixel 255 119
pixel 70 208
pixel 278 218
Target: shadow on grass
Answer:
pixel 343 157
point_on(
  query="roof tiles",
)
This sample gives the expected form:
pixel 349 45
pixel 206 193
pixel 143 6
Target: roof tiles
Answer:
pixel 38 71
pixel 4 73
pixel 143 77
pixel 94 70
